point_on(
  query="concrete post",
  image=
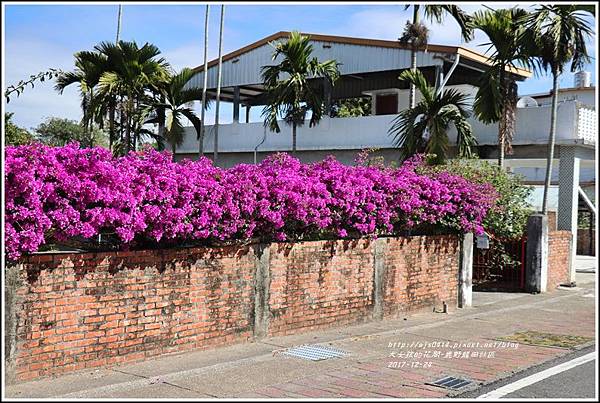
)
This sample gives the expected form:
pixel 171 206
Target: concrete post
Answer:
pixel 262 283
pixel 465 274
pixel 378 277
pixel 568 200
pixel 12 282
pixel 536 269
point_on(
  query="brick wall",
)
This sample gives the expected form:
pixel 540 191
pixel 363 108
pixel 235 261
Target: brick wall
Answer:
pixel 551 220
pixel 559 246
pixel 67 312
pixel 420 272
pixel 319 284
pixel 86 310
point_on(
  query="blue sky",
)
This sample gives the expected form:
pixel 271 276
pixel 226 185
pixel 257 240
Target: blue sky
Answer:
pixel 41 36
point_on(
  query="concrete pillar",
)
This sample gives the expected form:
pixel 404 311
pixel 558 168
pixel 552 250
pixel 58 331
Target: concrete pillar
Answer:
pixel 378 277
pixel 568 199
pixel 12 301
pixel 236 104
pixel 465 273
pixel 262 283
pixel 536 269
pixel 248 113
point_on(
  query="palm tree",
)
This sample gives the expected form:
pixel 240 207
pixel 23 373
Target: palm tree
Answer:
pixel 219 73
pixel 558 34
pixel 119 23
pixel 89 66
pixel 496 99
pixel 203 105
pixel 133 71
pixel 174 106
pixel 416 33
pixel 423 129
pixel 295 95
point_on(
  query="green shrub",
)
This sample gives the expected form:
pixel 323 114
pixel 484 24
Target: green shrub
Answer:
pixel 509 218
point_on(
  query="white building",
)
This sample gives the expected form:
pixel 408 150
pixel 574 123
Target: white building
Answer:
pixel 370 68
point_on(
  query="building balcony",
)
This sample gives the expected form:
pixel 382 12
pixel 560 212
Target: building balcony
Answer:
pixel 576 124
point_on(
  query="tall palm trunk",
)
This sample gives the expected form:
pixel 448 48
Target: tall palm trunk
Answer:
pixel 111 111
pixel 119 23
pixel 552 139
pixel 294 129
pixel 161 122
pixel 216 145
pixel 201 137
pixel 502 125
pixel 90 130
pixel 412 99
pixel 128 125
pixel 111 122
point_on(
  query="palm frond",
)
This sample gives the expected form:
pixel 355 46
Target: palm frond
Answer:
pixel 424 128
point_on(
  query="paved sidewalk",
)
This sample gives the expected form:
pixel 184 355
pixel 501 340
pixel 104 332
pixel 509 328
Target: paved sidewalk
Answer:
pixel 259 370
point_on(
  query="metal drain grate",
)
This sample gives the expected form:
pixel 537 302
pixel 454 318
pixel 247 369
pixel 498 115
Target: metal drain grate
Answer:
pixel 450 382
pixel 315 352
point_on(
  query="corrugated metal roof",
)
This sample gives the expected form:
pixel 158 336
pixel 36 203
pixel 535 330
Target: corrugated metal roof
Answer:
pixel 356 55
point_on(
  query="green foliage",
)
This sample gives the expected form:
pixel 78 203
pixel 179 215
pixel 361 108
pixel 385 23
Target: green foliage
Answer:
pixel 509 217
pixel 557 35
pixel 59 132
pixel 173 107
pixel 496 99
pixel 424 128
pixel 22 84
pixel 15 135
pixel 436 13
pixel 298 93
pixel 351 107
pixel 119 83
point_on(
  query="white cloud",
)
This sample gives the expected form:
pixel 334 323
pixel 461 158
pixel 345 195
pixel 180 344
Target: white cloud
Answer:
pixel 388 23
pixel 190 55
pixel 26 57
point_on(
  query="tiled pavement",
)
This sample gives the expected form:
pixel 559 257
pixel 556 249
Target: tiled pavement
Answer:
pixel 376 379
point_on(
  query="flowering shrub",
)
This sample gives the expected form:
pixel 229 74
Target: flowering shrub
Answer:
pixel 54 194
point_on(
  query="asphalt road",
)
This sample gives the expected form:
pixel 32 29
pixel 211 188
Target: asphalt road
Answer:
pixel 578 382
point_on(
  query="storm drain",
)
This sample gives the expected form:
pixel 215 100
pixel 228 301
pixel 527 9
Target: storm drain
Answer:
pixel 450 382
pixel 315 352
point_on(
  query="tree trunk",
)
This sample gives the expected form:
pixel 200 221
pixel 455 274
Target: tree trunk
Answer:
pixel 128 127
pixel 294 138
pixel 511 115
pixel 219 73
pixel 90 134
pixel 161 119
pixel 201 137
pixel 111 122
pixel 552 139
pixel 412 98
pixel 502 125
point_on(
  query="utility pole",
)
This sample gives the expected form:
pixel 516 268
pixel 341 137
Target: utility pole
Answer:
pixel 119 23
pixel 216 144
pixel 201 138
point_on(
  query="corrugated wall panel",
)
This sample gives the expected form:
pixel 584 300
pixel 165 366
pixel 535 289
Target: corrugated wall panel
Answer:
pixel 353 58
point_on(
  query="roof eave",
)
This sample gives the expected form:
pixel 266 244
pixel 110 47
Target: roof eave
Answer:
pixel 464 52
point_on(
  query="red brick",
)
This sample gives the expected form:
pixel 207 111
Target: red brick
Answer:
pixel 136 313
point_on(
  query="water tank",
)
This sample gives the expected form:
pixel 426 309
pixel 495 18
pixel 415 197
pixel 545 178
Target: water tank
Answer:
pixel 526 102
pixel 583 79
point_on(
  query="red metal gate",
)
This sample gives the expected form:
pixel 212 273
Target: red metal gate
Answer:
pixel 493 272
